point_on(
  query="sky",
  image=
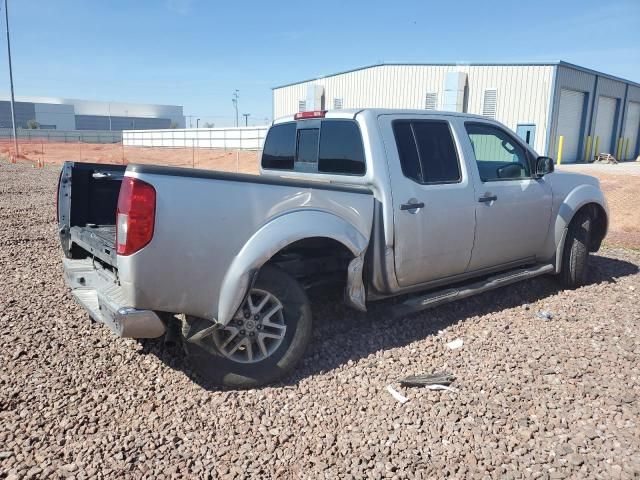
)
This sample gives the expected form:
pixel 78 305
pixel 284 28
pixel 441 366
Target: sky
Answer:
pixel 195 53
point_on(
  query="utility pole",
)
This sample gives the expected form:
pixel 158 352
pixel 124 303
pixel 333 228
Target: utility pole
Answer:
pixel 197 123
pixel 234 99
pixel 246 119
pixel 13 100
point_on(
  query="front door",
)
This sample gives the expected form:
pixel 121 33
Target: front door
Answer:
pixel 433 198
pixel 513 209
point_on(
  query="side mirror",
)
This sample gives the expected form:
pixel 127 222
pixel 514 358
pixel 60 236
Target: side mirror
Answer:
pixel 544 165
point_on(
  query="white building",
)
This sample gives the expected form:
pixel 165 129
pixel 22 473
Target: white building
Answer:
pixel 593 112
pixel 73 114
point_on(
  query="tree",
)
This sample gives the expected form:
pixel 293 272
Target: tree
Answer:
pixel 32 124
pixel 209 125
pixel 173 125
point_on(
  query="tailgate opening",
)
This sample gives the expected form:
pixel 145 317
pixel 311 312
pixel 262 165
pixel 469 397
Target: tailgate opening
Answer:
pixel 87 202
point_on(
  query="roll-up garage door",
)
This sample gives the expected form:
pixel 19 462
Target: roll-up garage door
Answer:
pixel 631 128
pixel 605 120
pixel 570 115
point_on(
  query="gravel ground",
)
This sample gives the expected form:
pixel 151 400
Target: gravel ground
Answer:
pixel 536 398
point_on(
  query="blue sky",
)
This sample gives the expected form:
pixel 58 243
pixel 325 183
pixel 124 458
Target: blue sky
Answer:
pixel 196 52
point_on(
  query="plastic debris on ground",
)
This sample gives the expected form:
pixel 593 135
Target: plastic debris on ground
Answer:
pixel 428 379
pixel 431 381
pixel 545 315
pixel 397 395
pixel 457 343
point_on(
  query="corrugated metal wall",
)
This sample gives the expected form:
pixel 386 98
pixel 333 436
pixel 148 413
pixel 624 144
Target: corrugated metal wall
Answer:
pixel 523 91
pixel 598 88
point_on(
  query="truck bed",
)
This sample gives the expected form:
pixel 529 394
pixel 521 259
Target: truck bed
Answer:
pixel 98 240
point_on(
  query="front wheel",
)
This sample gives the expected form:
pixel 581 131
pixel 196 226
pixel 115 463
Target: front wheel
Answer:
pixel 575 257
pixel 262 342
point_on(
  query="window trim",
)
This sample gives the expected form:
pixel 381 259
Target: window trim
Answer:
pixel 517 140
pixel 411 121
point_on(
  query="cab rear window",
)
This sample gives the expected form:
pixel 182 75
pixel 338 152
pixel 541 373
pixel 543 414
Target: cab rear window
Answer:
pixel 280 147
pixel 327 146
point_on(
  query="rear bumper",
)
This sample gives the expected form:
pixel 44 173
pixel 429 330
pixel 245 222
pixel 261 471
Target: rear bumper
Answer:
pixel 100 295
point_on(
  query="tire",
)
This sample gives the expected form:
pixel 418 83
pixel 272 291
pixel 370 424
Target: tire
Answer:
pixel 222 357
pixel 575 257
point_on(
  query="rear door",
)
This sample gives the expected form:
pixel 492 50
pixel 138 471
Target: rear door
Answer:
pixel 433 198
pixel 513 209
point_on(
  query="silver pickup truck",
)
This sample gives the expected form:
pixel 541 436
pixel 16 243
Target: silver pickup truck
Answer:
pixel 433 206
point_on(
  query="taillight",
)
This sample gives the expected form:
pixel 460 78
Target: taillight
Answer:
pixel 313 114
pixel 136 215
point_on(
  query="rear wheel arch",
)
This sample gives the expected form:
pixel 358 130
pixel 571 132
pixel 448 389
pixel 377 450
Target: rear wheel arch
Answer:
pixel 276 237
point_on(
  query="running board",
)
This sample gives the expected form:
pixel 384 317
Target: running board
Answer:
pixel 433 299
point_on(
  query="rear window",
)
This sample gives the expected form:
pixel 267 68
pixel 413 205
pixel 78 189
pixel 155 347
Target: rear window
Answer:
pixel 280 147
pixel 427 152
pixel 341 148
pixel 334 147
pixel 308 145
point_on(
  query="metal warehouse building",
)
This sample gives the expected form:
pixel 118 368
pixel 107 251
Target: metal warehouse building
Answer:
pixel 558 108
pixel 72 114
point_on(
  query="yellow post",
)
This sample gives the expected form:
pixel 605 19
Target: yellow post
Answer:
pixel 619 149
pixel 626 148
pixel 560 143
pixel 597 149
pixel 587 149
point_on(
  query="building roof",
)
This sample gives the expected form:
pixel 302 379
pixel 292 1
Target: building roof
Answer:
pixel 351 113
pixel 471 64
pixel 77 101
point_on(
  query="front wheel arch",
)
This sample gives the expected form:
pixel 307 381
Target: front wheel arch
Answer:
pixel 575 255
pixel 567 213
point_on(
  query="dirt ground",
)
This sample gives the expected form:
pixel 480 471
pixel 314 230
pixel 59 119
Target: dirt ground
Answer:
pixel 243 161
pixel 534 397
pixel 621 185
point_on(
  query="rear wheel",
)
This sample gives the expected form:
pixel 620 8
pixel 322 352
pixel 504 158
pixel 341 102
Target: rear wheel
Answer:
pixel 575 257
pixel 262 342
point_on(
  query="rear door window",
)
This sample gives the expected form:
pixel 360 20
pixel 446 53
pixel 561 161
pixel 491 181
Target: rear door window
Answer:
pixel 427 152
pixel 335 147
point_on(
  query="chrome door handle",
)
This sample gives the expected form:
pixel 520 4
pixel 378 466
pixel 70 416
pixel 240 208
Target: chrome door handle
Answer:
pixel 490 198
pixel 412 206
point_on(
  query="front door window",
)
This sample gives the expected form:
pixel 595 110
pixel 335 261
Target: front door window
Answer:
pixel 498 155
